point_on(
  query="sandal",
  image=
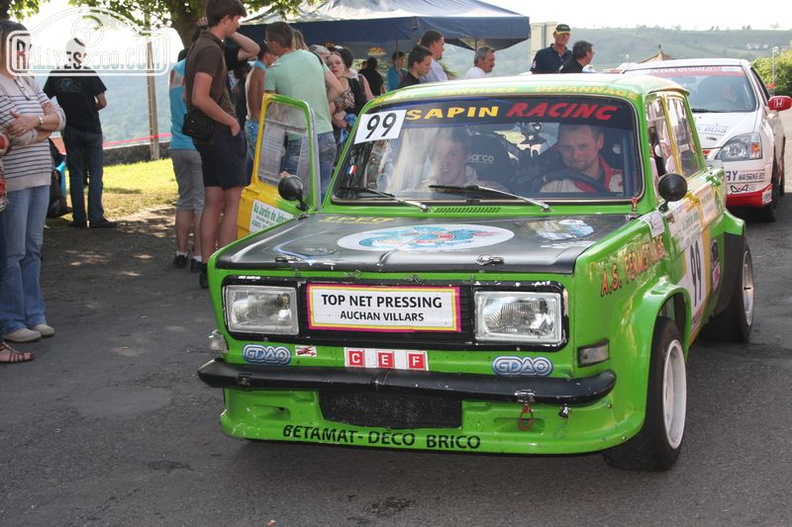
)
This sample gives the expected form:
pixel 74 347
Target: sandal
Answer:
pixel 9 355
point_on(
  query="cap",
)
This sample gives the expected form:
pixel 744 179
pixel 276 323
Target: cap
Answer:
pixel 318 49
pixel 562 28
pixel 75 45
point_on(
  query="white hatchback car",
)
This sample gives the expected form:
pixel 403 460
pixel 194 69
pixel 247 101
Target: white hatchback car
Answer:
pixel 738 124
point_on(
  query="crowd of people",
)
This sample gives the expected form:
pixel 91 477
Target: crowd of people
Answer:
pixel 283 63
pixel 222 76
pixel 558 58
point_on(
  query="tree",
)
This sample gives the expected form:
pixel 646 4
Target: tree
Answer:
pixel 19 9
pixel 783 71
pixel 181 15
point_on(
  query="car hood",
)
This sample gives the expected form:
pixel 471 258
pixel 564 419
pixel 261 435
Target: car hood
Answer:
pixel 715 129
pixel 363 243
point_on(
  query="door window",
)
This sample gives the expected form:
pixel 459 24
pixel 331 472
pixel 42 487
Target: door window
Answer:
pixel 689 163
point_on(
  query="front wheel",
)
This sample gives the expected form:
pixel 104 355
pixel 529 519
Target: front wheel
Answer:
pixel 769 213
pixel 735 323
pixel 657 445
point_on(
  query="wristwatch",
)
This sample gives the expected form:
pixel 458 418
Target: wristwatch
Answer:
pixel 41 120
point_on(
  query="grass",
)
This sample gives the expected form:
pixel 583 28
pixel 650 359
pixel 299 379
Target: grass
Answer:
pixel 139 186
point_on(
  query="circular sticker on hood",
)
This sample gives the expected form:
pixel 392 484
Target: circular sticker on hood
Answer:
pixel 417 238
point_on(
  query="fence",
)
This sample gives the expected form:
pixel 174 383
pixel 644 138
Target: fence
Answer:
pixel 129 150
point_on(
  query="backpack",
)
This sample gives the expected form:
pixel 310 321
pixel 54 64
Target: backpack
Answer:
pixel 57 201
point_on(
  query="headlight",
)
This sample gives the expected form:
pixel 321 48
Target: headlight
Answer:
pixel 257 309
pixel 518 317
pixel 741 147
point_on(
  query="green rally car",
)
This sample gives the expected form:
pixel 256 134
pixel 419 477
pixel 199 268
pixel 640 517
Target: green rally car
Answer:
pixel 511 265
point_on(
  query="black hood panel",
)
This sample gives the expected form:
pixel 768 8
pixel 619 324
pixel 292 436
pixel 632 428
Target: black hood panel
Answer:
pixel 360 243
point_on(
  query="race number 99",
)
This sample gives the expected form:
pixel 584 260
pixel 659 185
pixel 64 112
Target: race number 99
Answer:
pixel 696 279
pixel 380 125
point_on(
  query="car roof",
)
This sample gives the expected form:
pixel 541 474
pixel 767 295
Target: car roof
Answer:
pixel 683 63
pixel 609 84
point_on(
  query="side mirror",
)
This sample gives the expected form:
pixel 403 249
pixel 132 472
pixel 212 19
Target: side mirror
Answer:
pixel 672 187
pixel 291 188
pixel 780 102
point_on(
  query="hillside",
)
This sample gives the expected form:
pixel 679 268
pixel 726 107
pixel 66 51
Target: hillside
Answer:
pixel 126 116
pixel 616 46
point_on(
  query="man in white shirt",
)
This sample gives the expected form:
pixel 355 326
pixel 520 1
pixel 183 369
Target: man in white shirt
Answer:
pixel 435 42
pixel 483 63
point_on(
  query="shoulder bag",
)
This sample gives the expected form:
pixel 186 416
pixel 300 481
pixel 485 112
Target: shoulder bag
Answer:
pixel 197 125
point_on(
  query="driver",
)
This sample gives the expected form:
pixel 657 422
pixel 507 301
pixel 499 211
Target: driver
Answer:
pixel 450 155
pixel 580 146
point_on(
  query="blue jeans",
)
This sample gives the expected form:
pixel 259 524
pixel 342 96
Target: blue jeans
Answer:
pixel 23 234
pixel 293 163
pixel 251 135
pixel 2 251
pixel 84 156
pixel 251 130
pixel 327 156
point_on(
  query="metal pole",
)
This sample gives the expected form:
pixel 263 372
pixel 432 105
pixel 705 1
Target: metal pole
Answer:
pixel 772 76
pixel 152 99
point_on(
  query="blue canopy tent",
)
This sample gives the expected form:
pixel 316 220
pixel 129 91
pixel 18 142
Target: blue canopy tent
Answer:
pixel 374 26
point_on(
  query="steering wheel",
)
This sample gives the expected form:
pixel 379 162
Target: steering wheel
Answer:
pixel 572 175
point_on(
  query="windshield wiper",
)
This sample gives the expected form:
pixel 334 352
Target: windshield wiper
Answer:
pixel 707 110
pixel 490 190
pixel 418 204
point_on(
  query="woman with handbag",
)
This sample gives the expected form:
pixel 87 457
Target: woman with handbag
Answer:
pixel 28 117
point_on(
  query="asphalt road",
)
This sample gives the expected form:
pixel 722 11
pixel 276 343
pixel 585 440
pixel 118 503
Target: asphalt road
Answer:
pixel 110 426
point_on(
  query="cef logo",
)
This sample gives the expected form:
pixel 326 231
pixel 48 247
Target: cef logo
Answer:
pixel 518 366
pixel 271 355
pixel 385 359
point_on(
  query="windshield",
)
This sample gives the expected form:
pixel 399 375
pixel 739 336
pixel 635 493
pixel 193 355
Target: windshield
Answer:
pixel 712 88
pixel 546 148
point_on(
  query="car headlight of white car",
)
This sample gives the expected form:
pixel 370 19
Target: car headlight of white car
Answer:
pixel 257 309
pixel 741 147
pixel 528 317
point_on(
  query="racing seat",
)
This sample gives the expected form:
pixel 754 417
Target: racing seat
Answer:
pixel 612 150
pixel 491 160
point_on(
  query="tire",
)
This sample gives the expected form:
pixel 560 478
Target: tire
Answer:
pixel 735 323
pixel 767 213
pixel 657 445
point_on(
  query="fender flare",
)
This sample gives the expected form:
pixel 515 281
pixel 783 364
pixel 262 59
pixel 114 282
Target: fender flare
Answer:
pixel 734 245
pixel 665 299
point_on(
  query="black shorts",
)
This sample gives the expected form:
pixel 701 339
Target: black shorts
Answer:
pixel 223 162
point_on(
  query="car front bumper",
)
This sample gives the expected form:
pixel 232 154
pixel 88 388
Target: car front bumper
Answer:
pixel 748 183
pixel 219 374
pixel 521 415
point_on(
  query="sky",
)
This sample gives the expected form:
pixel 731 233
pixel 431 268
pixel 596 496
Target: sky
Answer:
pixel 689 14
pixel 56 22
